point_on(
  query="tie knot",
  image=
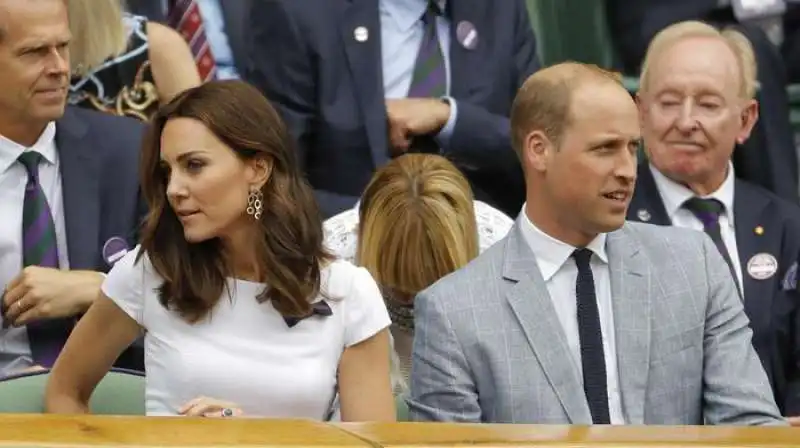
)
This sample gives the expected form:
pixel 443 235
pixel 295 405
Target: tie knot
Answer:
pixel 582 257
pixel 431 12
pixel 705 207
pixel 30 160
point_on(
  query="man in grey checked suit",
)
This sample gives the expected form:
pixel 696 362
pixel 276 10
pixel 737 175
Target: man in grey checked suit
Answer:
pixel 578 317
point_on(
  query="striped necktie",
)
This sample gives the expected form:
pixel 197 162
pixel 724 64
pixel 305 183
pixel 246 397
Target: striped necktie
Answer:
pixel 429 79
pixel 38 230
pixel 39 248
pixel 185 17
pixel 708 211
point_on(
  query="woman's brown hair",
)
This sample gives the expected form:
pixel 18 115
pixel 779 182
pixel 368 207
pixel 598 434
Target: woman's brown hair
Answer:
pixel 290 247
pixel 416 224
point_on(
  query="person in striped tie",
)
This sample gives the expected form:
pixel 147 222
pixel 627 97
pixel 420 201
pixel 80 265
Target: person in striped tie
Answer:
pixel 360 82
pixel 68 186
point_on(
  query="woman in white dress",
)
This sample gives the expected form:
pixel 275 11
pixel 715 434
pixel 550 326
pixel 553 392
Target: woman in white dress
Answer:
pixel 416 222
pixel 244 311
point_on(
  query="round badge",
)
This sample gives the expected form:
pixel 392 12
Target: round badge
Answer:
pixel 114 249
pixel 643 215
pixel 762 266
pixel 467 35
pixel 361 34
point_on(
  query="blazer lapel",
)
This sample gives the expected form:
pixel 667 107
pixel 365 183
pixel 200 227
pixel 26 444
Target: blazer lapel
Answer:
pixel 532 306
pixel 79 180
pixel 474 15
pixel 365 65
pixel 748 210
pixel 646 204
pixel 631 306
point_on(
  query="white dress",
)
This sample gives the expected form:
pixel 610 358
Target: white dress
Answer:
pixel 244 352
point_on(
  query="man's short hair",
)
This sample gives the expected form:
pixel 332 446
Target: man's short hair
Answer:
pixel 544 100
pixel 737 42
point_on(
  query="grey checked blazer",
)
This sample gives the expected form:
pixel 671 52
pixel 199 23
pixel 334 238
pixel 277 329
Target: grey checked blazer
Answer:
pixel 488 346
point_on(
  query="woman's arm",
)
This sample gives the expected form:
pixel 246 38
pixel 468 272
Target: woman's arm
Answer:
pixel 95 343
pixel 171 61
pixel 365 390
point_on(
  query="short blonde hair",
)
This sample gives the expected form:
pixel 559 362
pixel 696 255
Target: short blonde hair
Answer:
pixel 737 42
pixel 544 100
pixel 98 33
pixel 416 223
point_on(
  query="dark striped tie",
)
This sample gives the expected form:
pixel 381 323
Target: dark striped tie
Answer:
pixel 38 230
pixel 708 211
pixel 430 78
pixel 39 248
pixel 593 359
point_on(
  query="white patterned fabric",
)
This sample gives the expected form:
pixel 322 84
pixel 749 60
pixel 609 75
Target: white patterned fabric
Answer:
pixel 341 231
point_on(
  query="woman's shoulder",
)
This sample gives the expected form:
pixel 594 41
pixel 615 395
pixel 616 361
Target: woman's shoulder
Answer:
pixel 342 279
pixel 133 261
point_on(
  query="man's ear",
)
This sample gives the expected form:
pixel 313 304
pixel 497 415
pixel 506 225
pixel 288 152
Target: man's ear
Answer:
pixel 537 149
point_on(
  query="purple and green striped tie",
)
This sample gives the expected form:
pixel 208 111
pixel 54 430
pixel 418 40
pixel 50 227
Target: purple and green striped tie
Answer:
pixel 38 230
pixel 429 79
pixel 708 211
pixel 39 248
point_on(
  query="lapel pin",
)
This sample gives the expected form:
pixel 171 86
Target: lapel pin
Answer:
pixel 114 249
pixel 361 34
pixel 467 35
pixel 762 266
pixel 759 230
pixel 643 215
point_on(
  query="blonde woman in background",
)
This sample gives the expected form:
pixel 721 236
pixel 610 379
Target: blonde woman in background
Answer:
pixel 416 222
pixel 124 64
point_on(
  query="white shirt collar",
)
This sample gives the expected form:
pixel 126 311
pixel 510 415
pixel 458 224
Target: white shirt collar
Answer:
pixel 674 194
pixel 551 254
pixel 11 150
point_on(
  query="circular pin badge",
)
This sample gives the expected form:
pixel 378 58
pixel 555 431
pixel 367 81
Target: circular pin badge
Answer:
pixel 467 35
pixel 361 34
pixel 114 249
pixel 762 266
pixel 643 215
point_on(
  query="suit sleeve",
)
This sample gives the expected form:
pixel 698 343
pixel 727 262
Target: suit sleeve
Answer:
pixel 736 389
pixel 442 389
pixel 282 64
pixel 484 138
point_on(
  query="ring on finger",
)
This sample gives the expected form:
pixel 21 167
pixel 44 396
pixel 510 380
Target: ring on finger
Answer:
pixel 227 412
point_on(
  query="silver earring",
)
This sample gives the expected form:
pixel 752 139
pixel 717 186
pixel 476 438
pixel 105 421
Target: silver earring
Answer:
pixel 255 203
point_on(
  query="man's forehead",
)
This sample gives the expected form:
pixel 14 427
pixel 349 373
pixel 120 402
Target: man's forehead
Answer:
pixel 698 58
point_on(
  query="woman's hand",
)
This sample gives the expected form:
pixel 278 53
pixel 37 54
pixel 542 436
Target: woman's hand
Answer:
pixel 209 407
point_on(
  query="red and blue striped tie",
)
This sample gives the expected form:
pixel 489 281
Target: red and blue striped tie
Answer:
pixel 184 16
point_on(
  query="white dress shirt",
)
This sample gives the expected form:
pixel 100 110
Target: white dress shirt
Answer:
pixel 14 347
pixel 560 273
pixel 674 195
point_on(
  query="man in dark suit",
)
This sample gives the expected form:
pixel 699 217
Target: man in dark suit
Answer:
pixel 69 190
pixel 361 81
pixel 769 157
pixel 695 104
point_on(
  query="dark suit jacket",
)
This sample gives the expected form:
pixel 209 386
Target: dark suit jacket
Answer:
pixel 329 89
pixel 774 311
pixel 99 159
pixel 234 13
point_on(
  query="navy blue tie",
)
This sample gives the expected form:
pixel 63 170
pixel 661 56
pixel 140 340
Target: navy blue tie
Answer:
pixel 593 358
